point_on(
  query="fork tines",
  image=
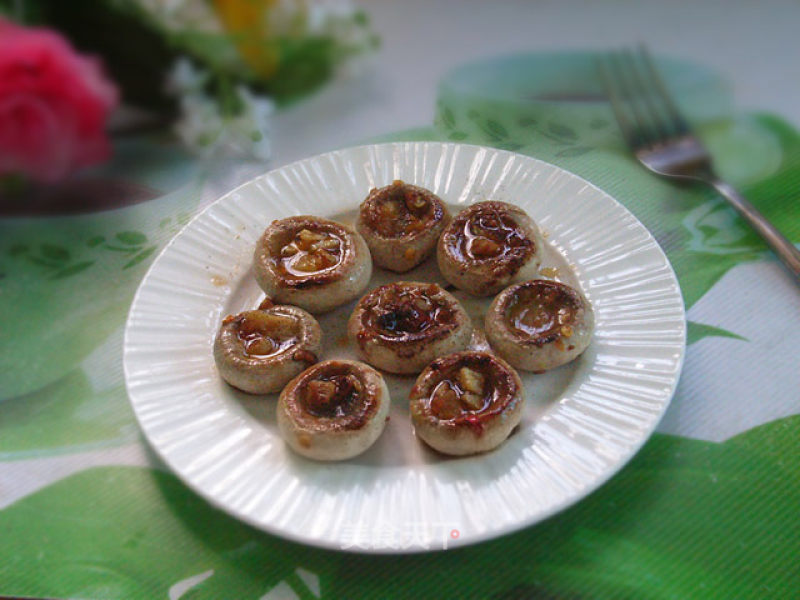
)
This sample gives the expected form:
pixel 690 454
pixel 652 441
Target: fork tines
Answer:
pixel 646 113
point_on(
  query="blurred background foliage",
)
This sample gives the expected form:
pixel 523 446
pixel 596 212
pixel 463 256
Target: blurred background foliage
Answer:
pixel 280 49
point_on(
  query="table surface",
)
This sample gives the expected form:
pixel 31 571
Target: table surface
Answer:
pixel 706 509
pixel 752 45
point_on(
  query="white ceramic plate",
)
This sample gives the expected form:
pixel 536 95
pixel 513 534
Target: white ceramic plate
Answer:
pixel 582 422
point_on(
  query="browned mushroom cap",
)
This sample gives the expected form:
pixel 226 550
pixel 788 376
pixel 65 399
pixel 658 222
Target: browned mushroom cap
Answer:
pixel 400 327
pixel 401 224
pixel 487 246
pixel 334 410
pixel 466 403
pixel 540 324
pixel 311 262
pixel 258 351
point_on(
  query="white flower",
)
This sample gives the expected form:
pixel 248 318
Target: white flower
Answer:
pixel 204 129
pixel 185 77
pixel 179 15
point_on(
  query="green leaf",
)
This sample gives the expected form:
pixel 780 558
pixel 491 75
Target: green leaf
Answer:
pixel 458 136
pixel 132 238
pixel 95 241
pixel 574 151
pixel 448 119
pixel 130 250
pixel 361 18
pixel 473 114
pixel 17 249
pixel 697 331
pixel 71 270
pixel 54 253
pixel 562 131
pixel 526 122
pixel 42 262
pixel 496 130
pixel 598 123
pixel 139 257
pixel 306 63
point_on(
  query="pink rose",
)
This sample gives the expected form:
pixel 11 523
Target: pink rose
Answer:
pixel 53 105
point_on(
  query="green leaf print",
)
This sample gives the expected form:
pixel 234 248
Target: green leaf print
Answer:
pixel 133 533
pixel 496 130
pixel 447 118
pixel 697 331
pixel 574 151
pixel 132 238
pixel 71 270
pixel 143 255
pixel 54 253
pixel 42 262
pixel 680 521
pixel 562 131
pixel 66 413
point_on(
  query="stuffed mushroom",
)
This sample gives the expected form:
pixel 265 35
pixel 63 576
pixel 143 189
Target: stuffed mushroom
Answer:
pixel 334 410
pixel 540 324
pixel 487 246
pixel 259 351
pixel 313 263
pixel 400 327
pixel 466 403
pixel 401 224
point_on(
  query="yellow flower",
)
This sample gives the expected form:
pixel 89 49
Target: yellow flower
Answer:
pixel 248 22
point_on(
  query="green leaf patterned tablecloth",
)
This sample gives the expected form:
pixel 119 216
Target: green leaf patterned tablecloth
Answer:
pixel 707 511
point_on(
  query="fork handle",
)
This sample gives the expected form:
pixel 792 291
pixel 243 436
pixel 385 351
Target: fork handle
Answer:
pixel 783 248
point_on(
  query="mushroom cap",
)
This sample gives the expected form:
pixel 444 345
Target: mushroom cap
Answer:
pixel 400 327
pixel 296 343
pixel 386 232
pixel 343 428
pixel 315 291
pixel 539 324
pixel 464 430
pixel 487 246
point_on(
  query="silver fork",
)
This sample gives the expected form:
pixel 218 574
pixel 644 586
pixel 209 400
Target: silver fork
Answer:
pixel 663 141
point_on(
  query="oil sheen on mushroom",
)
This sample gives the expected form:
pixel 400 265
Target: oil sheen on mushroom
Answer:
pixel 401 224
pixel 466 403
pixel 312 263
pixel 487 246
pixel 540 324
pixel 259 351
pixel 334 410
pixel 400 327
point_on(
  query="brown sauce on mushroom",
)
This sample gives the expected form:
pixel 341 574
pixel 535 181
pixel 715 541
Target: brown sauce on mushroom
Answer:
pixel 400 210
pixel 309 252
pixel 332 396
pixel 264 335
pixel 489 234
pixel 543 311
pixel 471 390
pixel 398 312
